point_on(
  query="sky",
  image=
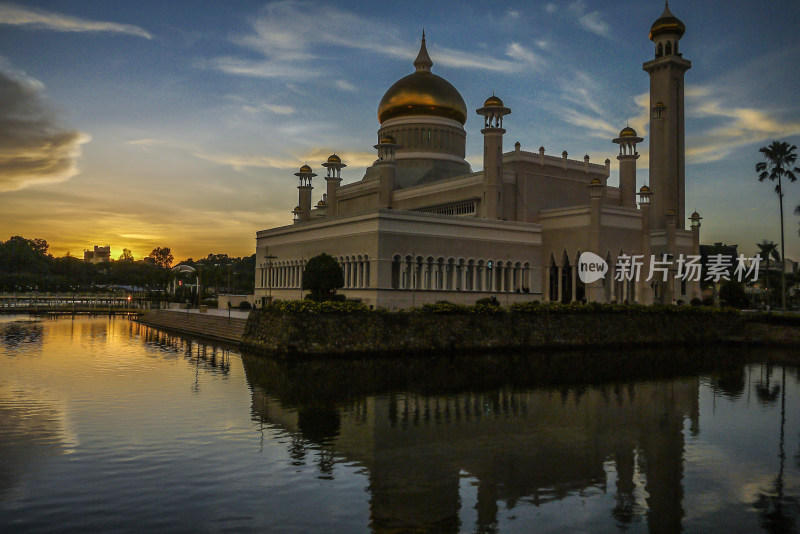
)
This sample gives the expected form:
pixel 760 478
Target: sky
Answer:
pixel 147 123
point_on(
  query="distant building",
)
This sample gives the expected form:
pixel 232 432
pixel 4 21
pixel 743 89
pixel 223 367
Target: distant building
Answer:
pixel 98 255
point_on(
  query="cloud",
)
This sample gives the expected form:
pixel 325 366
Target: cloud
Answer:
pixel 524 55
pixel 39 19
pixel 597 126
pixel 240 162
pixel 550 8
pixel 732 126
pixel 591 20
pixel 34 148
pixel 344 85
pixel 280 36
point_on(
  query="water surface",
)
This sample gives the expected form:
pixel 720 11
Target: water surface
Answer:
pixel 107 425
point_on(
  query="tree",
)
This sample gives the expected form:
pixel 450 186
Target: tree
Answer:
pixel 768 250
pixel 733 294
pixel 127 255
pixel 322 276
pixel 779 163
pixel 162 256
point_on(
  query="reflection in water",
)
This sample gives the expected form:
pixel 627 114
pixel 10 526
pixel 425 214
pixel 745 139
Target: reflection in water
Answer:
pixel 522 445
pixel 658 441
pixel 14 334
pixel 778 511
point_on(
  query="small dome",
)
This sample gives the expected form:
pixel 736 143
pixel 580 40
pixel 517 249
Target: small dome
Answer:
pixel 644 189
pixel 659 104
pixel 493 101
pixel 387 140
pixel 666 23
pixel 628 132
pixel 695 215
pixel 305 168
pixel 333 158
pixel 596 181
pixel 322 204
pixel 297 209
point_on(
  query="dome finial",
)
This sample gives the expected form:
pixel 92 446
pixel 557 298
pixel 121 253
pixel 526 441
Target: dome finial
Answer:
pixel 423 63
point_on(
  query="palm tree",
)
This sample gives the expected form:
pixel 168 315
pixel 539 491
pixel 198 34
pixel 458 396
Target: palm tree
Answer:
pixel 768 250
pixel 780 158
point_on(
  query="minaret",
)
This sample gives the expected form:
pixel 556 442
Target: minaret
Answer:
pixel 387 164
pixel 627 165
pixel 333 180
pixel 667 142
pixel 493 112
pixel 305 175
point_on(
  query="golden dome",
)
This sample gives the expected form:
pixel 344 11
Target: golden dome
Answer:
pixel 666 23
pixel 333 158
pixel 596 181
pixel 305 168
pixel 695 215
pixel 644 189
pixel 322 204
pixel 627 132
pixel 493 101
pixel 422 93
pixel 297 209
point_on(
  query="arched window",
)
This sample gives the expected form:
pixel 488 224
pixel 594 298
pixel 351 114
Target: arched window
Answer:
pixel 396 272
pixel 668 49
pixel 659 50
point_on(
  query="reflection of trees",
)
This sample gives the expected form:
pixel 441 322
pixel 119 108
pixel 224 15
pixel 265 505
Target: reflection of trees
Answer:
pixel 15 334
pixel 778 511
pixel 729 382
pixel 766 392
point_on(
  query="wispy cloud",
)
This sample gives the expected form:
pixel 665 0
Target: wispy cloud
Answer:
pixel 590 20
pixel 318 154
pixel 279 36
pixel 39 19
pixel 519 53
pixel 272 108
pixel 550 8
pixel 239 161
pixel 344 85
pixel 731 126
pixel 34 148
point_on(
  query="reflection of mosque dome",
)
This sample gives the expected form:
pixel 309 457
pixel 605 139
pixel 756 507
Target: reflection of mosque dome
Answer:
pixel 667 23
pixel 627 132
pixel 422 93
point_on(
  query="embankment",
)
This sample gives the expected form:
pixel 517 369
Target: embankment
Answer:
pixel 339 334
pixel 215 327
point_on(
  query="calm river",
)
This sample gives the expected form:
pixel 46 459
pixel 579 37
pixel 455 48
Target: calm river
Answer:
pixel 110 426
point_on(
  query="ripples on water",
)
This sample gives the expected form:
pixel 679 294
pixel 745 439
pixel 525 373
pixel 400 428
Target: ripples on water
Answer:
pixel 106 425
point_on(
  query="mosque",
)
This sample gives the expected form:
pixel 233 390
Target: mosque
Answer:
pixel 420 226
